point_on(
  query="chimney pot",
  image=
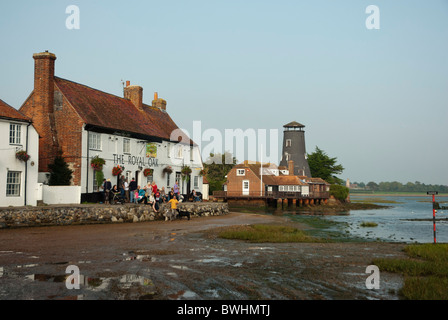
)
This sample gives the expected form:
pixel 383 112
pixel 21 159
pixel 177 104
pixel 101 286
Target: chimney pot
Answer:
pixel 128 83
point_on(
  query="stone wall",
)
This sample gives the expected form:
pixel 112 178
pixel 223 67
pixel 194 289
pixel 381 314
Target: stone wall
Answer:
pixel 97 213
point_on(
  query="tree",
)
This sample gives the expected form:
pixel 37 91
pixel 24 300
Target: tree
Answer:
pixel 322 166
pixel 372 186
pixel 60 173
pixel 217 166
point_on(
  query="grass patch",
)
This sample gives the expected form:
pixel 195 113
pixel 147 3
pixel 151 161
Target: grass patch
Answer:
pixel 426 271
pixel 373 200
pixel 266 233
pixel 368 224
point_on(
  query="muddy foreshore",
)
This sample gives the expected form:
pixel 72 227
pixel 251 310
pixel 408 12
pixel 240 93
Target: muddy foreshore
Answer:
pixel 185 260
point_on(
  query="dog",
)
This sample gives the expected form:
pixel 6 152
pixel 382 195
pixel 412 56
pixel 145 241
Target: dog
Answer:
pixel 170 215
pixel 183 214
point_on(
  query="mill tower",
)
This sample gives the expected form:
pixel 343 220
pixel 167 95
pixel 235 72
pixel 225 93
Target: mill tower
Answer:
pixel 294 149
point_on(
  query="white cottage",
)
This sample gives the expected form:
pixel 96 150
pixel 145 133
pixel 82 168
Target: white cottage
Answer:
pixel 19 147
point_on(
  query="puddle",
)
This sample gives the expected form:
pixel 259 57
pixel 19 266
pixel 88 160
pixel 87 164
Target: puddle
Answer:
pixel 183 294
pixel 180 267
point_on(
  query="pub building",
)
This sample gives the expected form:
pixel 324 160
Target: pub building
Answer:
pixel 82 123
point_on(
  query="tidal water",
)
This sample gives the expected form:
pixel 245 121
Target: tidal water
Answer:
pixel 409 219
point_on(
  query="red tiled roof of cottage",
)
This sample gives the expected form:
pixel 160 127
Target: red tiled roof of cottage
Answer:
pixel 280 179
pixel 8 112
pixel 289 180
pixel 104 110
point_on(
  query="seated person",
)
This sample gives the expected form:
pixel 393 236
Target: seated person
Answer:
pixel 152 201
pixel 141 196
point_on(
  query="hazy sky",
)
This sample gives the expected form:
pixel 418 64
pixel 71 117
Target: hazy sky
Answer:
pixel 377 99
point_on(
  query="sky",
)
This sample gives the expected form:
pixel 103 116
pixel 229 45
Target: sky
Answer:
pixel 376 99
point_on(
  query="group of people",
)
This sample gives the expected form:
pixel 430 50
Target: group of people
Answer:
pixel 150 194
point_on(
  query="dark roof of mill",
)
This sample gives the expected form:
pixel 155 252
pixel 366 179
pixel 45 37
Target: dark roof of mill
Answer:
pixel 294 124
pixel 101 110
pixel 8 112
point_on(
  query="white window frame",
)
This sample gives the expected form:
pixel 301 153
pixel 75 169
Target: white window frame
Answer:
pixel 95 141
pixel 240 172
pixel 126 146
pixel 13 183
pixel 15 133
pixel 245 189
pixel 288 142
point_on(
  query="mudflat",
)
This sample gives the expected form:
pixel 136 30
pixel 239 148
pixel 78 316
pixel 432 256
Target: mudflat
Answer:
pixel 185 260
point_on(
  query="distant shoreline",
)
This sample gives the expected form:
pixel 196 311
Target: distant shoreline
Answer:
pixel 396 194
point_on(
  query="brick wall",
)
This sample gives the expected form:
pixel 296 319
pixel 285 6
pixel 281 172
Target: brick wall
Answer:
pixel 235 182
pixel 58 125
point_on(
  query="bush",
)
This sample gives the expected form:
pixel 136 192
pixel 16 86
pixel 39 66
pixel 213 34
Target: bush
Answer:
pixel 61 174
pixel 339 192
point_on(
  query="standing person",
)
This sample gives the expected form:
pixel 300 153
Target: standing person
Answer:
pixel 174 210
pixel 154 187
pixel 121 185
pixel 176 190
pixel 132 189
pixel 107 186
pixel 126 189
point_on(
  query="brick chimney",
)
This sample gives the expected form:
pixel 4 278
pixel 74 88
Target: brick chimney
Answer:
pixel 159 103
pixel 44 81
pixel 291 167
pixel 135 94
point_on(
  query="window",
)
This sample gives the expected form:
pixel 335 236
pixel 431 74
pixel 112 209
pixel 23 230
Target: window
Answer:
pixel 126 145
pixel 196 182
pixel 288 142
pixel 94 141
pixel 286 156
pixel 168 177
pixel 13 184
pixel 240 172
pixel 15 133
pixel 179 151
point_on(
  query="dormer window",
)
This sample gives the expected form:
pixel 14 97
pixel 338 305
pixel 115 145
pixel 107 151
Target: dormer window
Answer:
pixel 240 172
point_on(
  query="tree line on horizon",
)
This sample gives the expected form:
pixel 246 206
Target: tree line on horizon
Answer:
pixel 396 186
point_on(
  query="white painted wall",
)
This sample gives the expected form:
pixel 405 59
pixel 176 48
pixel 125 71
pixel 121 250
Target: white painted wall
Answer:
pixel 61 194
pixel 136 161
pixel 28 170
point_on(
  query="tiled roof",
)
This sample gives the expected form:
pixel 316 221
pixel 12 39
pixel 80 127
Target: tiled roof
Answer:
pixel 104 110
pixel 8 112
pixel 271 179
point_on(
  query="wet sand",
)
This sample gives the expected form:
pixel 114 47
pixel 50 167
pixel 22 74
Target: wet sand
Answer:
pixel 185 260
